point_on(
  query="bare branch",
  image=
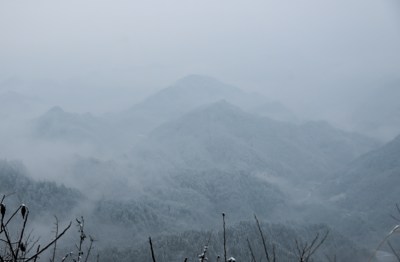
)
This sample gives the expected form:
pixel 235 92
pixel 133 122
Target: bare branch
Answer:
pixel 152 250
pixel 223 224
pixel 253 259
pixel 48 245
pixel 90 248
pixel 55 243
pixel 393 250
pixel 22 233
pixel 263 239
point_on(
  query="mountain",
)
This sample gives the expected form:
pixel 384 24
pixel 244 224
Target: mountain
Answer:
pixel 122 130
pixel 193 91
pixel 56 124
pixel 39 196
pixel 366 191
pixel 371 180
pixel 215 158
pixel 225 137
pixel 190 201
pixel 220 158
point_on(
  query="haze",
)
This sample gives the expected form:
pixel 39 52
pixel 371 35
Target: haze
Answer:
pixel 101 56
pixel 154 117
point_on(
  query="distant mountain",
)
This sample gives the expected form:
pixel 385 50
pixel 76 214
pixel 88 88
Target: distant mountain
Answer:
pixel 371 181
pixel 123 130
pixel 193 91
pixel 131 203
pixel 221 158
pixel 39 196
pixel 367 191
pixel 225 137
pixel 215 158
pixel 70 127
pixel 191 200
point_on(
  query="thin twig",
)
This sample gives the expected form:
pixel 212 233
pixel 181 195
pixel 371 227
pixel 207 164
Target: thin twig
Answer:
pixel 393 250
pixel 152 250
pixel 89 249
pixel 12 216
pixel 2 199
pixel 273 253
pixel 9 242
pixel 223 224
pixel 32 245
pixel 81 225
pixel 55 243
pixel 48 245
pixel 22 233
pixel 312 251
pixel 37 250
pixel 253 259
pixel 9 219
pixel 263 238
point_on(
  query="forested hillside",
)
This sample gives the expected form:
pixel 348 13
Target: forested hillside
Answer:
pixel 173 177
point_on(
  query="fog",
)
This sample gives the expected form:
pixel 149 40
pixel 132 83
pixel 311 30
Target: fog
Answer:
pixel 106 55
pixel 153 118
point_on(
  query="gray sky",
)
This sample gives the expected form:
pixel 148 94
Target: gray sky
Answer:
pixel 119 51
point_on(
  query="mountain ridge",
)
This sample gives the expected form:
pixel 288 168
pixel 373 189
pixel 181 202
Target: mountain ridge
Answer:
pixel 224 128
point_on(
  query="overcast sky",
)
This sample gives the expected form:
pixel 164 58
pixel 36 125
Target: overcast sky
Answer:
pixel 120 51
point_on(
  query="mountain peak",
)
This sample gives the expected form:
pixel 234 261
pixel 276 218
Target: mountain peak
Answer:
pixel 56 110
pixel 186 94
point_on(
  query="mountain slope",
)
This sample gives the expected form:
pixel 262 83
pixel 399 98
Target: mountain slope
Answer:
pixel 372 180
pixel 218 157
pixel 124 129
pixel 193 91
pixel 367 190
pixel 56 124
pixel 37 195
pixel 223 136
